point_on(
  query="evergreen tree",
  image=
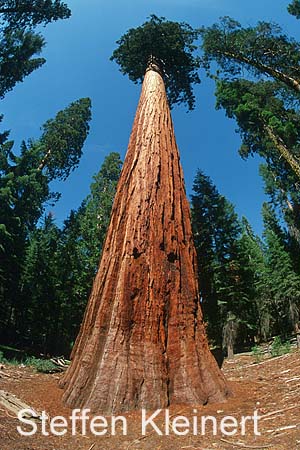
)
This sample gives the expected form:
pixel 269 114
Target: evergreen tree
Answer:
pixel 37 322
pixel 252 281
pixel 19 42
pixel 282 281
pixel 170 47
pixel 30 13
pixel 284 195
pixel 266 125
pixel 223 264
pixel 24 190
pixel 82 239
pixel 97 209
pixel 73 281
pixel 262 50
pixel 206 222
pixel 267 112
pixel 59 268
pixel 258 84
pixel 215 228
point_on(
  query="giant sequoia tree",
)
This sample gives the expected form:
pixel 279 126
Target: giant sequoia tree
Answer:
pixel 142 342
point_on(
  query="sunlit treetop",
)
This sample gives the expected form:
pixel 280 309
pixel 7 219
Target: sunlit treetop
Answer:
pixel 170 46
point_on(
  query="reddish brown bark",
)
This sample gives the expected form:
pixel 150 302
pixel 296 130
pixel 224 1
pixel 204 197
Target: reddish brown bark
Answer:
pixel 142 342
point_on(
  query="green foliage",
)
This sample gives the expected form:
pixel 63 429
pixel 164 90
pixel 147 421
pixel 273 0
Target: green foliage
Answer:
pixel 257 352
pixel 170 45
pixel 97 208
pixel 266 111
pixel 294 8
pixel 248 287
pixel 279 348
pixel 59 266
pixel 281 281
pixel 215 230
pixel 82 239
pixel 17 51
pixel 260 112
pixel 18 41
pixel 261 50
pixel 24 190
pixel 2 359
pixel 39 301
pixel 30 13
pixel 226 277
pixel 63 138
pixel 24 179
pixel 10 361
pixel 41 365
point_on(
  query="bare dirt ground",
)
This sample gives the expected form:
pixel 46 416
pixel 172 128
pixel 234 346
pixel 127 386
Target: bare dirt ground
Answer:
pixel 272 387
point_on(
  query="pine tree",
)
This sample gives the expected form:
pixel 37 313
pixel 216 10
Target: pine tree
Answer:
pixel 24 190
pixel 37 318
pixel 252 281
pixel 258 85
pixel 216 229
pixel 97 209
pixel 82 240
pixel 19 43
pixel 266 125
pixel 228 255
pixel 261 50
pixel 283 282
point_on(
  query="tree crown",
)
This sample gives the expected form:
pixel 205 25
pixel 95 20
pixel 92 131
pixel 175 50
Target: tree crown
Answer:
pixel 263 50
pixel 170 46
pixel 18 14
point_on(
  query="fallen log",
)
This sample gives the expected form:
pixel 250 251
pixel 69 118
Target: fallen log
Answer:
pixel 60 363
pixel 15 405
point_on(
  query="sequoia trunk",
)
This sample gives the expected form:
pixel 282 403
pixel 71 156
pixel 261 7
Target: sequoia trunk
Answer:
pixel 142 342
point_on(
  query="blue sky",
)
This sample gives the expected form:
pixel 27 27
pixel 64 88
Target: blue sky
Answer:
pixel 78 65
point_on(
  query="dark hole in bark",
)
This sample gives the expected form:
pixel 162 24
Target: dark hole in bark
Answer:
pixel 172 257
pixel 136 253
pixel 134 293
pixel 162 246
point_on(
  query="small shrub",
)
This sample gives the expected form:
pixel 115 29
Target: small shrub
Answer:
pixel 41 365
pixel 279 348
pixel 11 362
pixel 257 352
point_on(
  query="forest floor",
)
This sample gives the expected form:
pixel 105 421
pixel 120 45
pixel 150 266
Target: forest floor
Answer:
pixel 271 386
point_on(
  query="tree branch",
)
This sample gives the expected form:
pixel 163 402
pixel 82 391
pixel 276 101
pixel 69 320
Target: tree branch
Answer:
pixel 289 81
